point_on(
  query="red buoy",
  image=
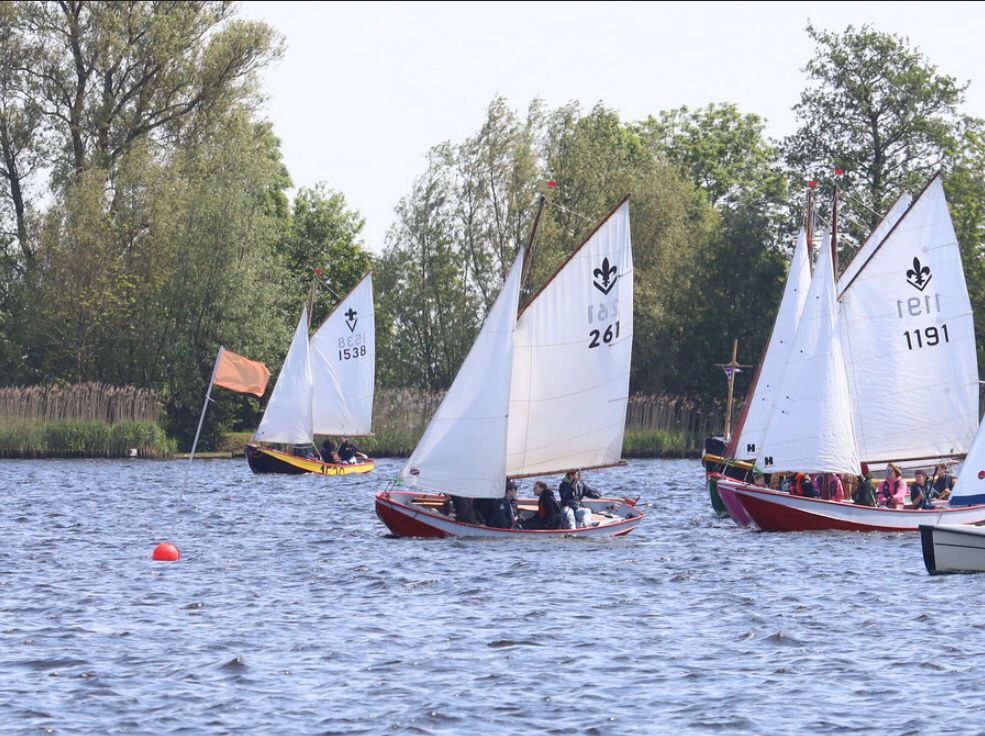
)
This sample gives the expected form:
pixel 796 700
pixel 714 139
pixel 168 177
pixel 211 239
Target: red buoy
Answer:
pixel 166 552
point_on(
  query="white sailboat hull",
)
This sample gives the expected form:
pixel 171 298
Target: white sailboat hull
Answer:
pixel 948 548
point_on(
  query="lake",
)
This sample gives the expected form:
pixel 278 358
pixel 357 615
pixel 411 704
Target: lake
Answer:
pixel 292 611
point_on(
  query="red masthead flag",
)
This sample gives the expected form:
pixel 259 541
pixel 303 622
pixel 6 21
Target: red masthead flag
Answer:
pixel 235 372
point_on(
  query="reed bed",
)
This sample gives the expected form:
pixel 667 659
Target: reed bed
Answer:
pixel 87 402
pixel 84 439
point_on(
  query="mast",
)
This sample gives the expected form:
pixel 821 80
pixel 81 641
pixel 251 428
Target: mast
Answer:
pixel 809 225
pixel 834 229
pixel 530 242
pixel 730 371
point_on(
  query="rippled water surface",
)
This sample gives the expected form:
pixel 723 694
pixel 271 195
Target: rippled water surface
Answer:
pixel 293 612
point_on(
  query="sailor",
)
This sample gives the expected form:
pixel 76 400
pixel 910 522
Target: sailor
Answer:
pixel 573 490
pixel 943 482
pixel 892 491
pixel 328 453
pixel 921 491
pixel 349 453
pixel 548 514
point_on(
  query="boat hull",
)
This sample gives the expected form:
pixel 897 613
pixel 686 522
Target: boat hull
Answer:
pixel 953 549
pixel 264 460
pixel 733 506
pixel 406 514
pixel 773 511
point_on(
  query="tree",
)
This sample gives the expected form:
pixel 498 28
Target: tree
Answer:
pixel 324 234
pixel 878 109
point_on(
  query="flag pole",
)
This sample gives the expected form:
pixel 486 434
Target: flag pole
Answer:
pixel 198 432
pixel 730 371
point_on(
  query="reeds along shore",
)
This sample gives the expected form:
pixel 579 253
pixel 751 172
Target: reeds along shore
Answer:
pixel 96 420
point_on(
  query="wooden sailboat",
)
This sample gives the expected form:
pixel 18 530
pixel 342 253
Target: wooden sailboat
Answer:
pixel 539 393
pixel 325 387
pixel 910 380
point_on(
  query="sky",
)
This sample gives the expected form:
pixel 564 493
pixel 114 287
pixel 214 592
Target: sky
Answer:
pixel 364 90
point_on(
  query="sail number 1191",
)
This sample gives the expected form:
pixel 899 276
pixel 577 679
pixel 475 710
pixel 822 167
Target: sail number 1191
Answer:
pixel 927 337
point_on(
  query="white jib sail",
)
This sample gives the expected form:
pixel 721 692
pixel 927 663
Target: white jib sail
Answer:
pixel 288 415
pixel 463 449
pixel 343 365
pixel 775 358
pixel 810 428
pixel 872 242
pixel 909 339
pixel 571 364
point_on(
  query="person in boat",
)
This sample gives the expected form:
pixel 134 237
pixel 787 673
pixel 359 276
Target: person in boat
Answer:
pixel 464 510
pixel 349 453
pixel 329 453
pixel 864 494
pixel 830 487
pixel 802 485
pixel 892 491
pixel 501 511
pixel 943 482
pixel 759 480
pixel 921 491
pixel 548 514
pixel 573 490
pixel 305 451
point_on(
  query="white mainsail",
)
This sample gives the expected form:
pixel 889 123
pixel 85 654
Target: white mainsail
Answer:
pixel 810 428
pixel 288 415
pixel 463 449
pixel 777 351
pixel 909 340
pixel 343 365
pixel 570 373
pixel 865 251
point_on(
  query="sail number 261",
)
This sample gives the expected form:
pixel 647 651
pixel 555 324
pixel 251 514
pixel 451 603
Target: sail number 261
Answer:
pixel 600 314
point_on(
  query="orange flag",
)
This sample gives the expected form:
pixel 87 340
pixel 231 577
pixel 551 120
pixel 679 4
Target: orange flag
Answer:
pixel 235 372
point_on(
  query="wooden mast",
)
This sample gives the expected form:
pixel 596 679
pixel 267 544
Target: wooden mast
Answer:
pixel 834 229
pixel 524 271
pixel 730 370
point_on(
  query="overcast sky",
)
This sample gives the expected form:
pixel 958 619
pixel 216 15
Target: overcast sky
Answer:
pixel 365 89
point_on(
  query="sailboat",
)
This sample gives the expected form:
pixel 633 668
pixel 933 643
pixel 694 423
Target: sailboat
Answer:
pixel 911 374
pixel 951 548
pixel 325 387
pixel 540 392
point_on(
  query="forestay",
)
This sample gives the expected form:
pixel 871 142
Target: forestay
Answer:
pixel 910 340
pixel 810 428
pixel 463 449
pixel 343 365
pixel 775 358
pixel 288 415
pixel 573 344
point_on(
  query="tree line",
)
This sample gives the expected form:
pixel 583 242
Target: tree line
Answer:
pixel 144 217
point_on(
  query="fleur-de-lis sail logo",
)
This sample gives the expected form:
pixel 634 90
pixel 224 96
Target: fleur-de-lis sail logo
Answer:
pixel 350 319
pixel 918 276
pixel 605 276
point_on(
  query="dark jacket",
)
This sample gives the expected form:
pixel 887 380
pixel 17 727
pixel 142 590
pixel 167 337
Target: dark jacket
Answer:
pixel 573 493
pixel 920 495
pixel 865 494
pixel 464 511
pixel 548 514
pixel 347 451
pixel 501 514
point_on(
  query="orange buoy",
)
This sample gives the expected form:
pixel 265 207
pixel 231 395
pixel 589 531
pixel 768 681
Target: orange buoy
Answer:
pixel 166 552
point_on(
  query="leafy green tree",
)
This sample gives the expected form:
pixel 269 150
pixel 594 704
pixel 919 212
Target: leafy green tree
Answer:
pixel 878 109
pixel 323 234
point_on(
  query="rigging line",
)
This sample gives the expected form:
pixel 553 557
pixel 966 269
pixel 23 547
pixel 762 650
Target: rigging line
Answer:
pixel 562 208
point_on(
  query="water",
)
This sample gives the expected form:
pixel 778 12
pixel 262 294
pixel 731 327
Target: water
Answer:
pixel 293 612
